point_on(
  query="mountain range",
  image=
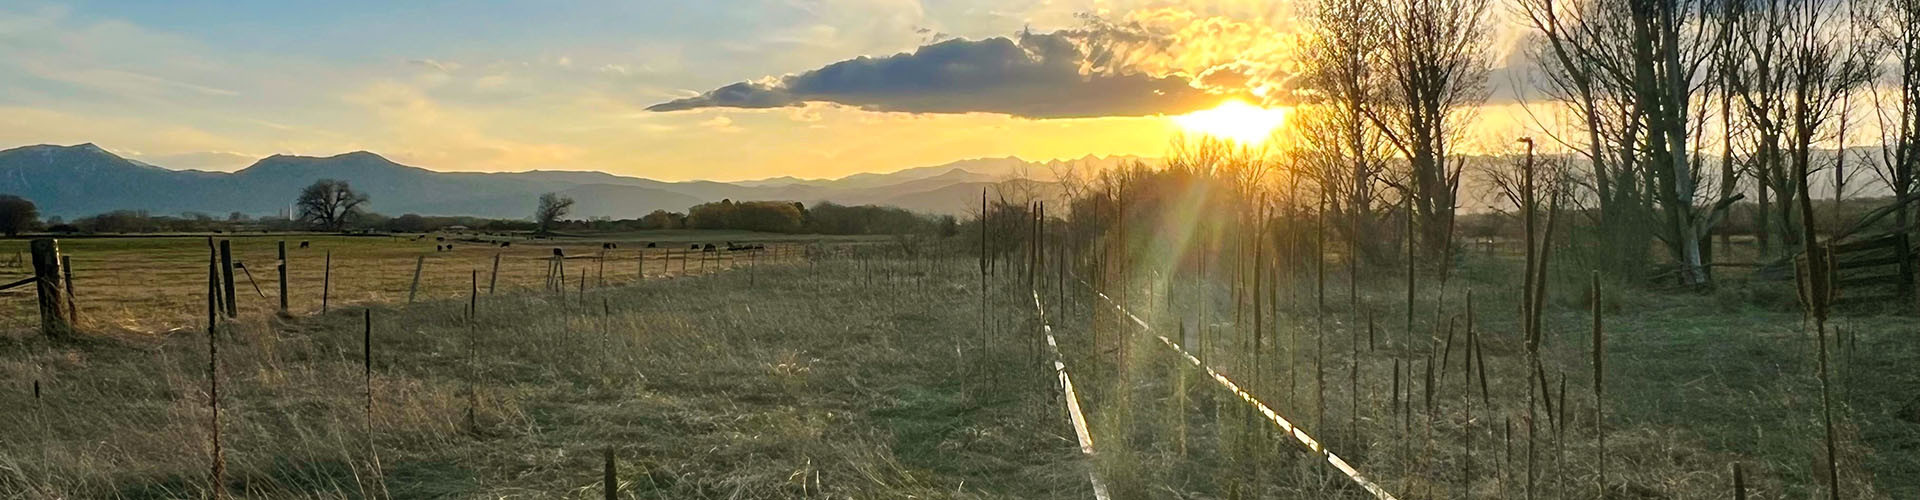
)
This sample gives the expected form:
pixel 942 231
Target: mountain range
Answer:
pixel 80 180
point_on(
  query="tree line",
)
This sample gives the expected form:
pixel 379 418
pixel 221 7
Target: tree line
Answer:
pixel 1659 126
pixel 1662 122
pixel 334 206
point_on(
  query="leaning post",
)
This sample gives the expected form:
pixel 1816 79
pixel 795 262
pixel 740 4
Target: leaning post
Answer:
pixel 66 275
pixel 326 281
pixel 413 289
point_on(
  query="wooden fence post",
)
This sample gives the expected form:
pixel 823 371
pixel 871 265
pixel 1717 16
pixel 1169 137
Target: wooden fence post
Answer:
pixel 611 479
pixel 226 277
pixel 66 275
pixel 494 277
pixel 213 284
pixel 54 321
pixel 418 262
pixel 282 268
pixel 326 281
pixel 1905 251
pixel 217 473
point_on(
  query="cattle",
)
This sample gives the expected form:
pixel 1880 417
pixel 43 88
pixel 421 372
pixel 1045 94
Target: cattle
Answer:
pixel 695 246
pixel 505 244
pixel 558 253
pixel 651 245
pixel 707 248
pixel 609 246
pixel 439 248
pixel 303 244
pixel 439 238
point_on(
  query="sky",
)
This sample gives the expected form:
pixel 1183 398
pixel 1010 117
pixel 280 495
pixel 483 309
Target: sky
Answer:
pixel 671 90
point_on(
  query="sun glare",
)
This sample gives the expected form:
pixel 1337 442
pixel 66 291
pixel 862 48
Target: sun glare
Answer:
pixel 1233 120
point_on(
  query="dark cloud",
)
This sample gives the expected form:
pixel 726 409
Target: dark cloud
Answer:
pixel 1037 76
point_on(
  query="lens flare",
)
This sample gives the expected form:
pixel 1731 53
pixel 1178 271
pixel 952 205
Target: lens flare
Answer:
pixel 1233 120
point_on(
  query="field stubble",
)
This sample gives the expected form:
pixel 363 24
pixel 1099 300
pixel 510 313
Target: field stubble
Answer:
pixel 832 379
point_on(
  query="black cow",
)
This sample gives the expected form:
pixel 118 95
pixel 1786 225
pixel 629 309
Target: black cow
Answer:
pixel 558 253
pixel 695 246
pixel 505 244
pixel 650 245
pixel 303 244
pixel 708 248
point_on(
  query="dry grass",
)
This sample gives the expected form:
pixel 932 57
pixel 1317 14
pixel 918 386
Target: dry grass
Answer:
pixel 864 379
pixel 1693 386
pixel 813 384
pixel 150 285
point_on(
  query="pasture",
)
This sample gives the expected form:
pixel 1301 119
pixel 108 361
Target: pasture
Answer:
pixel 859 370
pixel 153 284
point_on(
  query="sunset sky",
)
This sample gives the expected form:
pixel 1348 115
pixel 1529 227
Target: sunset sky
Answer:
pixel 671 90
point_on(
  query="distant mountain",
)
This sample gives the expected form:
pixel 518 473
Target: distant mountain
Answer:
pixel 85 179
pixel 977 170
pixel 966 195
pixel 74 181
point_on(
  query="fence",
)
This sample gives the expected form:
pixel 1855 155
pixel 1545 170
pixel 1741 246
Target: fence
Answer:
pixel 138 287
pixel 1299 435
pixel 1873 269
pixel 1071 399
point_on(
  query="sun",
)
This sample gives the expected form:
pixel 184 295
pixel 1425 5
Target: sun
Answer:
pixel 1233 120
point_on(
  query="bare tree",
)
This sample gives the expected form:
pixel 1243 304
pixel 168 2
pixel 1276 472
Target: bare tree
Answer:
pixel 17 214
pixel 552 207
pixel 1340 147
pixel 1435 65
pixel 329 204
pixel 1638 71
pixel 1584 54
pixel 1896 98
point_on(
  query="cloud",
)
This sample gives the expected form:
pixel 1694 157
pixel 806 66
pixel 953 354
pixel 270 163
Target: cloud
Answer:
pixel 224 161
pixel 721 124
pixel 1055 75
pixel 444 66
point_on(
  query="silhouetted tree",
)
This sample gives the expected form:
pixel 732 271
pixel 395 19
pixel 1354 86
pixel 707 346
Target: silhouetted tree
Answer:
pixel 552 208
pixel 17 214
pixel 768 216
pixel 329 204
pixel 1435 62
pixel 662 219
